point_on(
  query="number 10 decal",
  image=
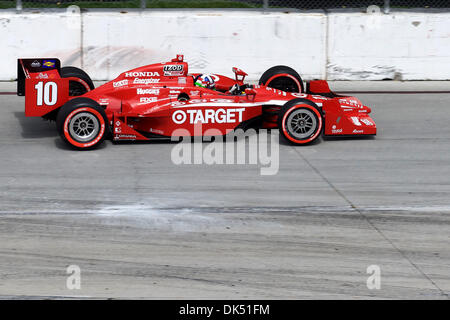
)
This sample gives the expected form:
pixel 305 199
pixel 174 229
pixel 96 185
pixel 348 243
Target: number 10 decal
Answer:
pixel 46 94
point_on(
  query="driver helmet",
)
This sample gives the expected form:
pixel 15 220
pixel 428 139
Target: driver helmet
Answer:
pixel 205 81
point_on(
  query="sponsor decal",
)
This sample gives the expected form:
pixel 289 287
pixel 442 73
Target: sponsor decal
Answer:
pixel 355 121
pixel 367 122
pixel 181 80
pixel 147 91
pixel 222 100
pixel 208 116
pixel 178 103
pixel 319 97
pixel 142 74
pixel 198 101
pixel 118 128
pixel 174 91
pixel 121 83
pixel 48 63
pixel 350 103
pixel 194 93
pixel 42 76
pixel 334 130
pixel 104 101
pixel 147 99
pixel 179 117
pixel 173 70
pixel 299 95
pixel 358 131
pixel 156 131
pixel 126 136
pixel 36 64
pixel 145 81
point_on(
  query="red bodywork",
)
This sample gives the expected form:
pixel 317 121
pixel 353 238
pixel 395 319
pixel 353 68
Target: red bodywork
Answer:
pixel 147 103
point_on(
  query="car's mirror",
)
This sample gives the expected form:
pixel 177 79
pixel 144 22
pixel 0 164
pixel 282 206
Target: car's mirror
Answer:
pixel 239 74
pixel 251 93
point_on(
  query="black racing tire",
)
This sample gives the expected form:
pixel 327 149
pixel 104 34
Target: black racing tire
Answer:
pixel 282 78
pixel 300 121
pixel 82 123
pixel 76 88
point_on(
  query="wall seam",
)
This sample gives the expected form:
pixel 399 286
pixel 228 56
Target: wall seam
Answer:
pixel 82 40
pixel 327 55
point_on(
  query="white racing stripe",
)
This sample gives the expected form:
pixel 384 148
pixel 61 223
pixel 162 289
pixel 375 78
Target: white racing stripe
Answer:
pixel 230 104
pixel 234 104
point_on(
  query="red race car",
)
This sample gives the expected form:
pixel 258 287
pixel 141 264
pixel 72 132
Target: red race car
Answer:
pixel 163 100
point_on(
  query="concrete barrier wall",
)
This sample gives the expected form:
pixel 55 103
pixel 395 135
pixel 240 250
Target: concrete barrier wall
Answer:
pixel 35 35
pixel 210 41
pixel 403 45
pixel 337 46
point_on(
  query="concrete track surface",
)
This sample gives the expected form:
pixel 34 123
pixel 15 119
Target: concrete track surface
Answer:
pixel 140 226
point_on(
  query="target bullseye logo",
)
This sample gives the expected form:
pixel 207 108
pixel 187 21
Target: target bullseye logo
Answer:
pixel 179 117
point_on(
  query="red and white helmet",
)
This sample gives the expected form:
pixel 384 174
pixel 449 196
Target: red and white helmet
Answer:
pixel 205 81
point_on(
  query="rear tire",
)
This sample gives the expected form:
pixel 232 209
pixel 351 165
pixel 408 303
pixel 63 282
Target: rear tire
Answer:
pixel 300 121
pixel 282 78
pixel 82 123
pixel 77 88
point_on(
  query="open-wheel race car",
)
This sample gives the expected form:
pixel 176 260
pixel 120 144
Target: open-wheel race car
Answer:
pixel 163 100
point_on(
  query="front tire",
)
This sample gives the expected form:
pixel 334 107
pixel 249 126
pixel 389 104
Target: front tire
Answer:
pixel 300 121
pixel 80 87
pixel 82 123
pixel 282 78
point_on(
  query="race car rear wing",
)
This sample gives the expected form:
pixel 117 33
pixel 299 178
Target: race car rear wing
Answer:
pixel 26 67
pixel 39 80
